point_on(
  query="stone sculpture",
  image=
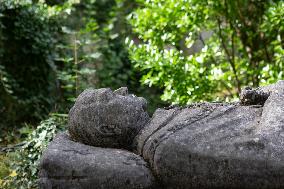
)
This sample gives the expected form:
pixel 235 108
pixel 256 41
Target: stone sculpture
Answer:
pixel 202 145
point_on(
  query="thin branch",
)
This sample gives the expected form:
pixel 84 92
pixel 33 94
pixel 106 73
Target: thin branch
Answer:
pixel 266 51
pixel 215 62
pixel 240 13
pixel 227 87
pixel 232 63
pixel 11 148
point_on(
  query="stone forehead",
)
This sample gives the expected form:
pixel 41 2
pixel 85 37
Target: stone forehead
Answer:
pixel 104 95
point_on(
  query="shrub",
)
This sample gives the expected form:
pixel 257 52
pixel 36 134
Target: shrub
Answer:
pixel 29 33
pixel 244 47
pixel 24 164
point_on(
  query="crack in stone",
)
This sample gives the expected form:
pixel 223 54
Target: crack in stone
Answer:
pixel 71 177
pixel 227 111
pixel 78 152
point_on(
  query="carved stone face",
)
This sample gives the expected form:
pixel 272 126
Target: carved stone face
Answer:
pixel 105 118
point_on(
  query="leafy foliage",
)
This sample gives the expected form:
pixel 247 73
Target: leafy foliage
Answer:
pixel 28 36
pixel 114 59
pixel 87 49
pixel 38 70
pixel 25 163
pixel 192 49
pixel 245 46
pixel 4 169
pixel 104 27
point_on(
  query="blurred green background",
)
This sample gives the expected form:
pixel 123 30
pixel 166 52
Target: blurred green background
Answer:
pixel 168 51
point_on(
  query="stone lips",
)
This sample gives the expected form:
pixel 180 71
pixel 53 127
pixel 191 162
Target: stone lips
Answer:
pixel 105 118
pixel 71 165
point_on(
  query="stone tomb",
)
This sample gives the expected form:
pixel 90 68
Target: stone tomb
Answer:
pixel 111 142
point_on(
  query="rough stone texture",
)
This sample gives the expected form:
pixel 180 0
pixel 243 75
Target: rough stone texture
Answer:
pixel 203 145
pixel 251 96
pixel 219 145
pixel 72 165
pixel 105 118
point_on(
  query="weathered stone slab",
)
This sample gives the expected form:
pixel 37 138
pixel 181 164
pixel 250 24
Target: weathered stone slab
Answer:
pixel 211 145
pixel 105 118
pixel 71 165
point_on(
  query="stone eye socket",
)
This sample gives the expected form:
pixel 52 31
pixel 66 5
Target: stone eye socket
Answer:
pixel 109 130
